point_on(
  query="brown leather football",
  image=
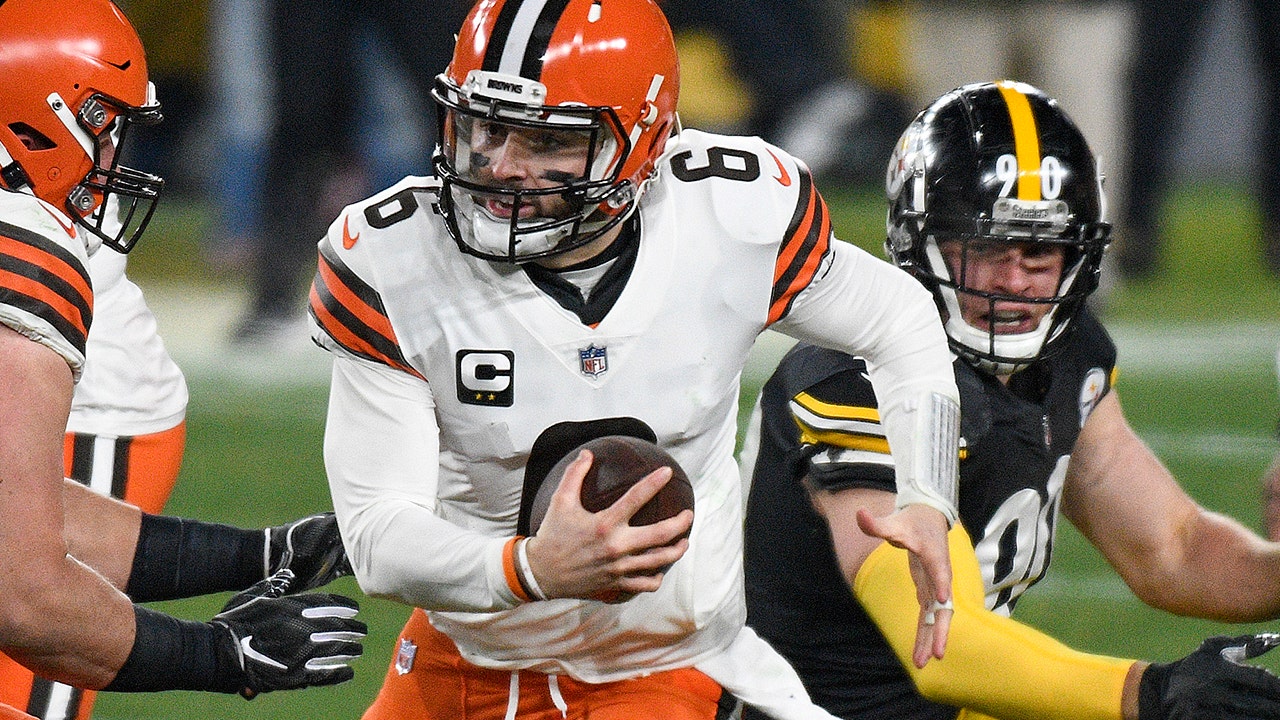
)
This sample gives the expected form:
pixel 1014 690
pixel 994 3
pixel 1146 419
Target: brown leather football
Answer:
pixel 620 462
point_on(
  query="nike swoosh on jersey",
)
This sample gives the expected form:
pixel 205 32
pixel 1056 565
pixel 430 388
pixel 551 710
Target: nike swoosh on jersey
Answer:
pixel 785 178
pixel 69 227
pixel 351 312
pixel 249 652
pixel 805 244
pixel 44 279
pixel 348 240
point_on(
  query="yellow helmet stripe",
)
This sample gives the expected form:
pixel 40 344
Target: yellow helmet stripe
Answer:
pixel 1026 141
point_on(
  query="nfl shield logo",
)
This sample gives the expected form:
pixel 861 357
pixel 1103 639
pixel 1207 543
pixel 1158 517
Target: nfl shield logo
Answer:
pixel 593 360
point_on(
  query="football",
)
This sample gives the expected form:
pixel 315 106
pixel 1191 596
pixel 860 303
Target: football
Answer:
pixel 620 462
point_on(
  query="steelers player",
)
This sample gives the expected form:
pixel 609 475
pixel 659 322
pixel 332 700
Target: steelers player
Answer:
pixel 579 258
pixel 996 207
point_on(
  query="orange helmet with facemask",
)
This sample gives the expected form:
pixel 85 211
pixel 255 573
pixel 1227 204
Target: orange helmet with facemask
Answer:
pixel 602 73
pixel 73 78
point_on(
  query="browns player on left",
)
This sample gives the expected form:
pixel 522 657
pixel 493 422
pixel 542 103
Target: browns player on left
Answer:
pixel 73 79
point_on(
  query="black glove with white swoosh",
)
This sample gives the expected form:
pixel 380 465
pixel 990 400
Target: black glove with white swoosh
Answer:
pixel 286 642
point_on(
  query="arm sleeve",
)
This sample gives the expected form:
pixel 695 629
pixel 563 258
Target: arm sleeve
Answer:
pixel 867 307
pixel 1039 678
pixel 381 453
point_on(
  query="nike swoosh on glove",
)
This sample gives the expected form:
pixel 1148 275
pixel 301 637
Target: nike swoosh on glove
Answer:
pixel 311 548
pixel 286 642
pixel 1213 682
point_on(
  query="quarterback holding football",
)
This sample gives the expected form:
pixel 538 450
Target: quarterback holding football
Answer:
pixel 576 257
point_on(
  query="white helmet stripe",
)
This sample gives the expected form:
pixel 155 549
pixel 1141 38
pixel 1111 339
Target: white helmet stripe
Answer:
pixel 68 118
pixel 518 38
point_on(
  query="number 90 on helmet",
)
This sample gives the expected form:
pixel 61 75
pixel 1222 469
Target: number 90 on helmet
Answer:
pixel 997 162
pixel 599 78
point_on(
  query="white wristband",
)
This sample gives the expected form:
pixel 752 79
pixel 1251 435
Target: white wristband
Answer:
pixel 526 572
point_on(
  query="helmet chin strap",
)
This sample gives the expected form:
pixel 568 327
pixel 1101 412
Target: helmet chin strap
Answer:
pixel 12 174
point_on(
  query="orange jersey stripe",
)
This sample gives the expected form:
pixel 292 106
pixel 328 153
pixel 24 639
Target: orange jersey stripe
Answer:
pixel 70 316
pixel 48 262
pixel 351 313
pixel 43 278
pixel 806 243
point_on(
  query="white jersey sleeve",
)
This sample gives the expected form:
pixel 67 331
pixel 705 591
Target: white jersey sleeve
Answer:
pixel 384 418
pixel 868 307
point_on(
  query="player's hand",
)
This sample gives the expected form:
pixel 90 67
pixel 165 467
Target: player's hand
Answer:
pixel 922 532
pixel 311 548
pixel 286 642
pixel 580 554
pixel 1213 682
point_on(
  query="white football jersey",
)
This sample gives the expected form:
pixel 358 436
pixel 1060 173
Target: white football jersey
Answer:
pixel 450 367
pixel 52 289
pixel 130 384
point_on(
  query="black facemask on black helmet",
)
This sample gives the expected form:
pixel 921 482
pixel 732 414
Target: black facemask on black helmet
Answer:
pixel 996 163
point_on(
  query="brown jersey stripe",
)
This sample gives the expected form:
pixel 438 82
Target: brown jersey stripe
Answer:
pixel 46 280
pixel 347 315
pixel 349 341
pixel 52 258
pixel 806 243
pixel 36 298
pixel 373 321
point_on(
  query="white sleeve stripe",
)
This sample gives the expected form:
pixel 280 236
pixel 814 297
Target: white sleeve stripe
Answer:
pixel 823 423
pixel 845 456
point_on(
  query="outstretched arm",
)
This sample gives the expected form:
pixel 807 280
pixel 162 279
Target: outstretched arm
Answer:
pixel 57 616
pixel 1173 553
pixel 1039 677
pixel 891 321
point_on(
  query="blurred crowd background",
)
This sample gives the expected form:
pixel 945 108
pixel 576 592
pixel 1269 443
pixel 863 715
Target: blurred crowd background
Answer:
pixel 280 112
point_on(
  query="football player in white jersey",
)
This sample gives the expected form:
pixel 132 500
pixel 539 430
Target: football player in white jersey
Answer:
pixel 995 205
pixel 581 262
pixel 73 79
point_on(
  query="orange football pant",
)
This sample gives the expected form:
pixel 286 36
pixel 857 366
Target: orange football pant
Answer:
pixel 140 470
pixel 429 680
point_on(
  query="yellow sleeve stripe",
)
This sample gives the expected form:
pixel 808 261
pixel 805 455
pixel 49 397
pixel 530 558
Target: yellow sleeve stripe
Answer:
pixel 1039 677
pixel 844 426
pixel 814 436
pixel 835 412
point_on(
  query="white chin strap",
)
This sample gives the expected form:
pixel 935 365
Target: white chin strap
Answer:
pixel 1020 348
pixel 492 236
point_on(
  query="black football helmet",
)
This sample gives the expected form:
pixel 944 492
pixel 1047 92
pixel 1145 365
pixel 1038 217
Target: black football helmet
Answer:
pixel 997 161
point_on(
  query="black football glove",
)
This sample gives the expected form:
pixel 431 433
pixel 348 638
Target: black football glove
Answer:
pixel 286 642
pixel 311 548
pixel 1213 683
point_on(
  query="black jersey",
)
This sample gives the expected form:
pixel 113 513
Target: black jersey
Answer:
pixel 817 417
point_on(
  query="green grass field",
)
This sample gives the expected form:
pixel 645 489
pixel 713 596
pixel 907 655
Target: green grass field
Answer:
pixel 1200 387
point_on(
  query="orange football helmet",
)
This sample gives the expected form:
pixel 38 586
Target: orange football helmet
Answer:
pixel 600 75
pixel 73 78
